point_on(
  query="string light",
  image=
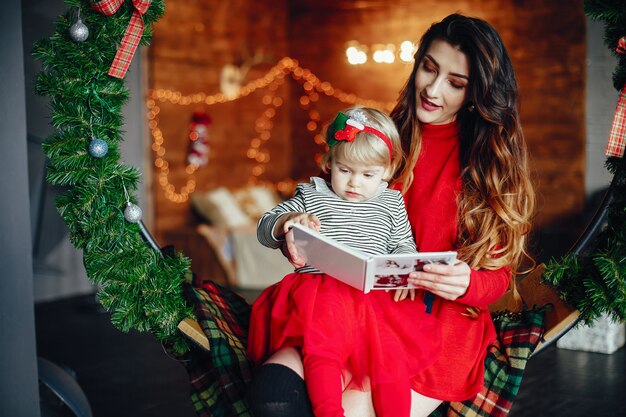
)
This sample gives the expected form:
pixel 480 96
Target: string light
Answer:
pixel 356 53
pixel 158 147
pixel 256 151
pixel 384 54
pixel 263 127
pixel 407 50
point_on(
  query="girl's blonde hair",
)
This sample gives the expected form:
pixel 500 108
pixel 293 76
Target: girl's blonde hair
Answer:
pixel 367 148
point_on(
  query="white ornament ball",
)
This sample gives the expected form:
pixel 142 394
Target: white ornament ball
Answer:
pixel 132 213
pixel 98 148
pixel 79 31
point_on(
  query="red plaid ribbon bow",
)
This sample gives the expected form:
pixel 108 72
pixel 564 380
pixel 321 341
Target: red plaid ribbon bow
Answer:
pixel 617 137
pixel 131 37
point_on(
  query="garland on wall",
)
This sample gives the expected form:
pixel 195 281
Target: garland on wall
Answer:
pixel 84 62
pixel 594 281
pixel 313 87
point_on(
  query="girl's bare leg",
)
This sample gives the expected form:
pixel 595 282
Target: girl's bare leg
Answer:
pixel 289 357
pixel 422 406
pixel 359 404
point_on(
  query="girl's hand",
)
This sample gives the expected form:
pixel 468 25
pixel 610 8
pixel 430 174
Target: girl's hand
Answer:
pixel 399 295
pixel 283 228
pixel 447 281
pixel 309 220
pixel 290 250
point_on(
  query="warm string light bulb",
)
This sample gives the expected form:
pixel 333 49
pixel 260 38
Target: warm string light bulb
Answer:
pixel 158 147
pixel 263 126
pixel 384 54
pixel 407 51
pixel 313 87
pixel 357 53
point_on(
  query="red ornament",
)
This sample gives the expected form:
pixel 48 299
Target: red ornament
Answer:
pixel 198 153
pixel 621 45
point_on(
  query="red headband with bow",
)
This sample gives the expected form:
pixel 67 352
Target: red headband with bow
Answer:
pixel 346 128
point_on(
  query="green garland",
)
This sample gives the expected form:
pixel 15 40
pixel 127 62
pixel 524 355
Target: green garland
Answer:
pixel 141 288
pixel 594 281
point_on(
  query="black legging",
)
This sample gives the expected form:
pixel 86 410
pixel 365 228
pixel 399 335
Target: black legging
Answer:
pixel 278 391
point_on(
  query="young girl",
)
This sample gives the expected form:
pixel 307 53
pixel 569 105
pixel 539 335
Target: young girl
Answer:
pixel 343 334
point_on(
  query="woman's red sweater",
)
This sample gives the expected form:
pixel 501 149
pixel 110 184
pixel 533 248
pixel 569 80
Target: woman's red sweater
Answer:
pixel 432 202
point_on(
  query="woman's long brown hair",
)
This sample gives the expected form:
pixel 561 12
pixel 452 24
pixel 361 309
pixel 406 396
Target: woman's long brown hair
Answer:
pixel 497 199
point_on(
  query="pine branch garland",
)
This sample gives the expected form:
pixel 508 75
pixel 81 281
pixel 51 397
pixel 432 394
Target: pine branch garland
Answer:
pixel 612 13
pixel 141 288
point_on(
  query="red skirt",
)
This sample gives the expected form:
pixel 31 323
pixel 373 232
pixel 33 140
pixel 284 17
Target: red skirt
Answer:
pixel 323 316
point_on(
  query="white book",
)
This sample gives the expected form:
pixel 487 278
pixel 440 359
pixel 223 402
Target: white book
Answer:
pixel 360 270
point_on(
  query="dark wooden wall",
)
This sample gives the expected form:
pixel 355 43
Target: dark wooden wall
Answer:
pixel 196 38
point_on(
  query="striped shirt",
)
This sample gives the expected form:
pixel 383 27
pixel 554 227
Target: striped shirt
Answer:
pixel 376 226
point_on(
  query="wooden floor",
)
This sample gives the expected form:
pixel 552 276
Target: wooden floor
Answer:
pixel 129 374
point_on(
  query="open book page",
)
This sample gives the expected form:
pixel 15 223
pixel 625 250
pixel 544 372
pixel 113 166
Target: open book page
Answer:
pixel 360 270
pixel 392 271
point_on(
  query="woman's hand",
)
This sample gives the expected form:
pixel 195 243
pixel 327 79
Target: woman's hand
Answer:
pixel 447 281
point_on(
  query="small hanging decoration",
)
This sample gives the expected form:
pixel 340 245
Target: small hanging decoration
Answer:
pixel 98 148
pixel 132 213
pixel 617 137
pixel 79 31
pixel 198 153
pixel 231 78
pixel 131 37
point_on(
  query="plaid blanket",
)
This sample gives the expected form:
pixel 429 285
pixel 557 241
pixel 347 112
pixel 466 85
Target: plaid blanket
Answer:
pixel 219 377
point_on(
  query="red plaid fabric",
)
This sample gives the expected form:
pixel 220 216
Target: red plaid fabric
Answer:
pixel 617 137
pixel 131 37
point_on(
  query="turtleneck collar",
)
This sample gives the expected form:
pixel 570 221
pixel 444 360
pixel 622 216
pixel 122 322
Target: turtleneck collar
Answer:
pixel 445 131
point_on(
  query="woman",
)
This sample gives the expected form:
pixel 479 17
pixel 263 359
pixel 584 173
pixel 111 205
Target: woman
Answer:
pixel 467 188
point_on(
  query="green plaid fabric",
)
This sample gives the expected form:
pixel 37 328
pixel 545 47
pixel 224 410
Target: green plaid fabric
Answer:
pixel 219 377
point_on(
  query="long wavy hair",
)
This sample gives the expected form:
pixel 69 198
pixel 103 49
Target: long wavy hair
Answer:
pixel 497 199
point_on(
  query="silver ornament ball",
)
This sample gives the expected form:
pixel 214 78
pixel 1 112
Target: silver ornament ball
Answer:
pixel 98 148
pixel 79 31
pixel 132 213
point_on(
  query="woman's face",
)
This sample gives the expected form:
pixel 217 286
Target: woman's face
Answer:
pixel 441 83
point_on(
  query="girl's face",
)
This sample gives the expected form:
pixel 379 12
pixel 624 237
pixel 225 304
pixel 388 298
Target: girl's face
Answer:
pixel 353 181
pixel 441 82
